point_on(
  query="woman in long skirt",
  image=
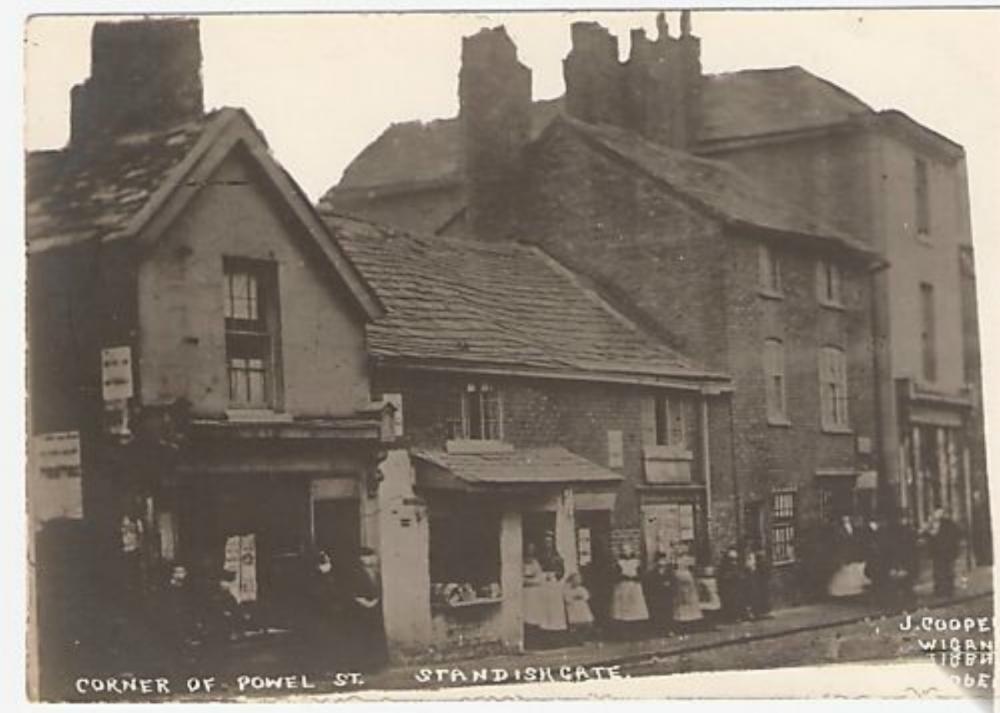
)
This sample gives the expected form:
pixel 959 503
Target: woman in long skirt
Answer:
pixel 848 579
pixel 554 625
pixel 687 604
pixel 628 604
pixel 534 605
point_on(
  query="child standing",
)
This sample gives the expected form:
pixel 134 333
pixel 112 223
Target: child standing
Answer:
pixel 578 614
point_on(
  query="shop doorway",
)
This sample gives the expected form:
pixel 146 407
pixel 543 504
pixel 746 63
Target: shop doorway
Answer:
pixel 337 529
pixel 535 525
pixel 593 543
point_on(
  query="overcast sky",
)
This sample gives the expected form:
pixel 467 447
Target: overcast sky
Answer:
pixel 322 87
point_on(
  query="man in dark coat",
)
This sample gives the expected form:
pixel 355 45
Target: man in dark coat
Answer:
pixel 732 586
pixel 658 588
pixel 367 645
pixel 904 560
pixel 944 540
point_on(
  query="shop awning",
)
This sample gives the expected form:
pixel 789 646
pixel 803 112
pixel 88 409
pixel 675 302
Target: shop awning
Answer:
pixel 510 470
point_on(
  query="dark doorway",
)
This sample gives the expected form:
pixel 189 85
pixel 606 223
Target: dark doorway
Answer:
pixel 593 537
pixel 535 525
pixel 337 529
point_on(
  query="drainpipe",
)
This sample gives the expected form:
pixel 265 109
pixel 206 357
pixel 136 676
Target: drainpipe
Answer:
pixel 881 491
pixel 706 469
pixel 736 480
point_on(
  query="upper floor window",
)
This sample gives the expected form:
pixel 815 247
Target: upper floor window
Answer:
pixel 833 388
pixel 668 417
pixel 928 331
pixel 250 310
pixel 768 271
pixel 828 283
pixel 774 373
pixel 921 188
pixel 482 413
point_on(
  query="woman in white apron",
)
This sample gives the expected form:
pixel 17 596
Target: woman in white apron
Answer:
pixel 628 603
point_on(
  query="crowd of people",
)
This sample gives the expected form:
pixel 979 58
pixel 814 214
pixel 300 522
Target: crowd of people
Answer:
pixel 876 558
pixel 189 619
pixel 672 596
pixel 882 557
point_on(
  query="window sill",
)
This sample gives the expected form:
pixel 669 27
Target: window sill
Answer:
pixel 770 294
pixel 838 430
pixel 667 453
pixel 784 563
pixel 469 446
pixel 924 238
pixel 257 415
pixel 836 306
pixel 779 422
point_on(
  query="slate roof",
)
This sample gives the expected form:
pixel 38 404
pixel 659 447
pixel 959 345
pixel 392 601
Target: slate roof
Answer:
pixel 715 186
pixel 766 101
pixel 530 466
pixel 508 306
pixel 734 104
pixel 97 189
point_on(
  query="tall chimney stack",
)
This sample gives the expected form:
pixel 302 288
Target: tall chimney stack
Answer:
pixel 144 74
pixel 593 75
pixel 494 91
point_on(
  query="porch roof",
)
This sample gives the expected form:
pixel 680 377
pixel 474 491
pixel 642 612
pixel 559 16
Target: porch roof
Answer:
pixel 518 469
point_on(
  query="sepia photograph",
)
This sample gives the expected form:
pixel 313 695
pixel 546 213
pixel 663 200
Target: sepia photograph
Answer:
pixel 426 352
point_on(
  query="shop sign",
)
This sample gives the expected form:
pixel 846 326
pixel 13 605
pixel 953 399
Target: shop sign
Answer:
pixel 56 488
pixel 583 547
pixel 116 373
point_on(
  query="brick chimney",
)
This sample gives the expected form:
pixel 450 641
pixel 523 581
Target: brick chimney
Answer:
pixel 494 91
pixel 144 74
pixel 593 75
pixel 656 92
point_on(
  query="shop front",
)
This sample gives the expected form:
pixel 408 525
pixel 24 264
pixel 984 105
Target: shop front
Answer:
pixel 934 456
pixel 465 521
pixel 252 504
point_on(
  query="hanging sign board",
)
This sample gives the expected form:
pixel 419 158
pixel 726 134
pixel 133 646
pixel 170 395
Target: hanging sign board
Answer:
pixel 241 561
pixel 116 373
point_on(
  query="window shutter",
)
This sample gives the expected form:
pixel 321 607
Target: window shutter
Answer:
pixel 763 266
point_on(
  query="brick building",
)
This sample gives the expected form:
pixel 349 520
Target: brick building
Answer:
pixel 692 249
pixel 527 404
pixel 903 188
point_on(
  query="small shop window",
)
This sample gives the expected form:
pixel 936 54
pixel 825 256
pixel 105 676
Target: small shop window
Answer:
pixel 464 557
pixel 481 414
pixel 783 526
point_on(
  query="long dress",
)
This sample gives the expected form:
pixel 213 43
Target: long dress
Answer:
pixel 687 604
pixel 534 606
pixel 553 606
pixel 848 579
pixel 577 607
pixel 627 600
